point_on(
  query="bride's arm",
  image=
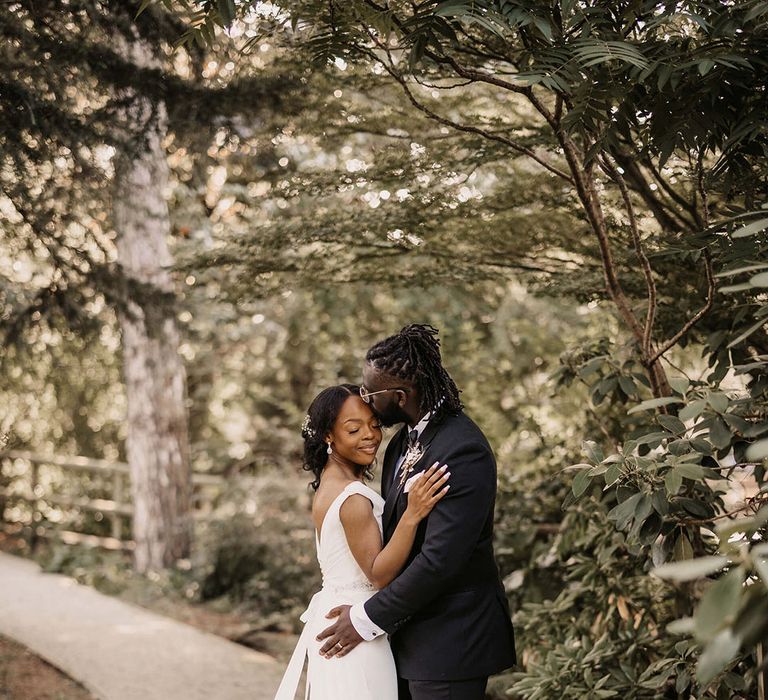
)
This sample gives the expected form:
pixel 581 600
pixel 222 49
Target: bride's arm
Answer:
pixel 382 565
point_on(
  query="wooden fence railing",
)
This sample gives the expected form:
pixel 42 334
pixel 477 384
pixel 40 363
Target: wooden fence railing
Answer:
pixel 31 479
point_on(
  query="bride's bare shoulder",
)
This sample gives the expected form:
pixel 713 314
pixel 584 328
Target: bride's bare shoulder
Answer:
pixel 328 491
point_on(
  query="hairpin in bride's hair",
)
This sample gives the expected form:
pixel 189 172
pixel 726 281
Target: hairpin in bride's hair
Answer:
pixel 306 428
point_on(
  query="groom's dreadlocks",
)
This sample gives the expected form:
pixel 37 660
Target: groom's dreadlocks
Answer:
pixel 413 354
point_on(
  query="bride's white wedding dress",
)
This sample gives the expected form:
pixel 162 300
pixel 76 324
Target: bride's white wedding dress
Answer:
pixel 368 671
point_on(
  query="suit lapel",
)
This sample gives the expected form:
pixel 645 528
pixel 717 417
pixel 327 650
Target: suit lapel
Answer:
pixel 388 490
pixel 395 490
pixel 394 450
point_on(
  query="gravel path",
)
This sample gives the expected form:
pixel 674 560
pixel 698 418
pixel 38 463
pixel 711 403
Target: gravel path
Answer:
pixel 122 652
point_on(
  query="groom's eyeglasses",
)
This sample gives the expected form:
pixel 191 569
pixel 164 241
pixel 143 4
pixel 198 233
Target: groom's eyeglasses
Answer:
pixel 366 395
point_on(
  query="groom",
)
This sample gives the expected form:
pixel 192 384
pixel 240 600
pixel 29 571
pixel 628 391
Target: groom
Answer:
pixel 446 612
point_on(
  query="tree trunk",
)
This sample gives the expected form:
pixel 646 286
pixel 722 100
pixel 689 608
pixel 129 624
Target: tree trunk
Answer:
pixel 157 440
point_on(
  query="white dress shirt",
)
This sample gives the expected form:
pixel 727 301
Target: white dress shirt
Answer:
pixel 357 615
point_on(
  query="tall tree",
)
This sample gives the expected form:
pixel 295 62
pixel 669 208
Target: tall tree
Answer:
pixel 90 243
pixel 156 442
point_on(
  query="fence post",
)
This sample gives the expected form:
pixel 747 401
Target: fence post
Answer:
pixel 5 482
pixel 34 478
pixel 117 497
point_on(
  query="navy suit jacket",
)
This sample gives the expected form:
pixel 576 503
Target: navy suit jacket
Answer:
pixel 447 612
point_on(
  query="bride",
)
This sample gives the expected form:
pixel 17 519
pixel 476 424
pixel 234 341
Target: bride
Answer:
pixel 341 437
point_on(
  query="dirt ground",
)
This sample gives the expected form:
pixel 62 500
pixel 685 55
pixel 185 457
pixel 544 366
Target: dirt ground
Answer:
pixel 24 676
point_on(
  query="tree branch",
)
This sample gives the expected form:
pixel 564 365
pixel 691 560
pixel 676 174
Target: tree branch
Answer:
pixel 668 217
pixel 644 262
pixel 689 324
pixel 476 75
pixel 690 207
pixel 588 197
pixel 466 128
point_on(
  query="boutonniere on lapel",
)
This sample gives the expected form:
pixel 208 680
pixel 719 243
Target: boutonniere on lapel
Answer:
pixel 414 453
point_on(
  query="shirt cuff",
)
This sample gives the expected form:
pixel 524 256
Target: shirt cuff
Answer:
pixel 362 623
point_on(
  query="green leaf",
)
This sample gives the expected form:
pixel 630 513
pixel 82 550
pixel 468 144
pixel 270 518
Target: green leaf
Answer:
pixel 682 681
pixel 654 403
pixel 581 483
pixel 745 334
pixel 665 71
pixel 730 288
pixel 696 472
pixel 717 655
pixel 612 474
pixel 701 446
pixel 683 550
pixel 144 5
pixel 750 229
pixel 680 384
pixel 758 450
pixel 760 280
pixel 623 512
pixel 593 451
pixel 660 502
pixel 690 569
pixel 227 11
pixel 673 480
pixel 591 52
pixel 718 401
pixel 697 508
pixel 739 270
pixel 755 430
pixel 760 562
pixel 692 410
pixel 671 423
pixel 649 529
pixel 745 525
pixel 651 438
pixel 629 447
pixel 643 509
pixel 627 385
pixel 682 626
pixel 719 605
pixel 719 434
pixel 544 27
pixel 736 423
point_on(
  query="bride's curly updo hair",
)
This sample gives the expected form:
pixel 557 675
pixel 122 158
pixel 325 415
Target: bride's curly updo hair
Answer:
pixel 322 414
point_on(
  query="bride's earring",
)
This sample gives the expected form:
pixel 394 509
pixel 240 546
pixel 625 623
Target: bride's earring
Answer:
pixel 329 450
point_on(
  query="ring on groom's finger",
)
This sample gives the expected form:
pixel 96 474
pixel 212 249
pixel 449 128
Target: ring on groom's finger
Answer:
pixel 340 645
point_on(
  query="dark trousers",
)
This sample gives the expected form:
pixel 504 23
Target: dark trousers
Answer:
pixel 471 689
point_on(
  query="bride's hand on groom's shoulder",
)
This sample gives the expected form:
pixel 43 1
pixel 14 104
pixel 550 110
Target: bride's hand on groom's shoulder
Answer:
pixel 342 637
pixel 426 489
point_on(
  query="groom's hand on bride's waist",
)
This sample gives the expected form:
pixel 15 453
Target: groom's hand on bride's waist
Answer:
pixel 341 637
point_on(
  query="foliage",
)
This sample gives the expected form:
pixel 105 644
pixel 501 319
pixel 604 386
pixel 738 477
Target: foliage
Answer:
pixel 609 153
pixel 259 550
pixel 63 122
pixel 669 484
pixel 105 571
pixel 673 474
pixel 600 101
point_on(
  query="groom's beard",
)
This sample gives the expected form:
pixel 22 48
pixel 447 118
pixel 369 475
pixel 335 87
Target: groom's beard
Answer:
pixel 391 415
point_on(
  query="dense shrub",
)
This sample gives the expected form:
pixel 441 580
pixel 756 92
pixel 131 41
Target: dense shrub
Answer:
pixel 259 550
